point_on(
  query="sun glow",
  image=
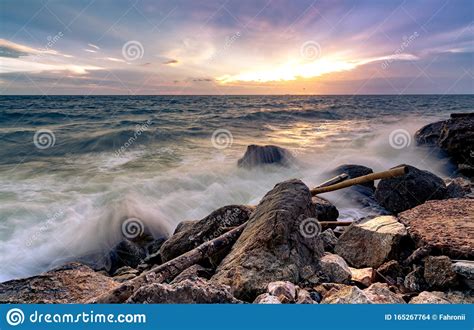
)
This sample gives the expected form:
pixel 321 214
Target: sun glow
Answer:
pixel 292 71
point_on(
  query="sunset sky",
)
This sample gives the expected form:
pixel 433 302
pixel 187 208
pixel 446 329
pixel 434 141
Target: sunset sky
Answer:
pixel 236 47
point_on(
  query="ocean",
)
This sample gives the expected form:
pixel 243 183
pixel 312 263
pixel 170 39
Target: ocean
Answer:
pixel 73 168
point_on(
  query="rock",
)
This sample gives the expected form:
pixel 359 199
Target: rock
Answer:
pixel 354 171
pixel 325 211
pixel 126 253
pixel 126 270
pixel 335 268
pixel 284 290
pixel 361 195
pixel 266 298
pixel 364 276
pixel 329 240
pixel 277 244
pixel 323 289
pixel 429 134
pixel 263 155
pixel 155 246
pixel 415 280
pixel 379 293
pixel 444 226
pixel 124 277
pixel 198 291
pixel 392 272
pixel 370 243
pixel 304 297
pixel 426 297
pixel 71 283
pixel 439 272
pixel 346 295
pixel 212 226
pixel 458 188
pixel 457 297
pixel 465 269
pixel 192 273
pixel 405 192
pixel 455 137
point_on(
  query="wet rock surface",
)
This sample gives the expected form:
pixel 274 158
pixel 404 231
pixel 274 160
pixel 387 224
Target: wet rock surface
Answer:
pixel 325 210
pixel 275 245
pixel 191 235
pixel 71 283
pixel 405 192
pixel 454 136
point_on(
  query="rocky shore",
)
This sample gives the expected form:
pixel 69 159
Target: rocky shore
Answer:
pixel 417 246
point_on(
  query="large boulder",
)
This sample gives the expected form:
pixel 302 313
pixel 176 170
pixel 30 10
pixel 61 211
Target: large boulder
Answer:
pixel 407 191
pixel 71 283
pixel 429 134
pixel 264 155
pixel 371 242
pixel 454 136
pixel 196 291
pixel 194 234
pixel 276 245
pixel 444 226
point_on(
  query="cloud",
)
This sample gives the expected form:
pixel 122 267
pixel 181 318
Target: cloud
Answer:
pixel 12 50
pixel 93 46
pixel 171 62
pixel 90 51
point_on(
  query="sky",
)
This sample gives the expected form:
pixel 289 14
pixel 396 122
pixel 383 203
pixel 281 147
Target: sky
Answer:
pixel 145 47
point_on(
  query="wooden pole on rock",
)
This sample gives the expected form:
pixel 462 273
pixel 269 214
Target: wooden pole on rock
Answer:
pixel 398 171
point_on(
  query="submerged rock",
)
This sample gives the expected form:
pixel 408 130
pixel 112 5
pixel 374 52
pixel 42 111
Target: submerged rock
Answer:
pixel 71 283
pixel 197 291
pixel 263 155
pixel 194 234
pixel 443 226
pixel 405 192
pixel 277 244
pixel 370 243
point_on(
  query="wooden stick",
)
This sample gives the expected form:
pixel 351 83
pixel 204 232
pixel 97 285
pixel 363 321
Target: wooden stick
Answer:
pixel 170 269
pixel 336 179
pixel 334 224
pixel 398 171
